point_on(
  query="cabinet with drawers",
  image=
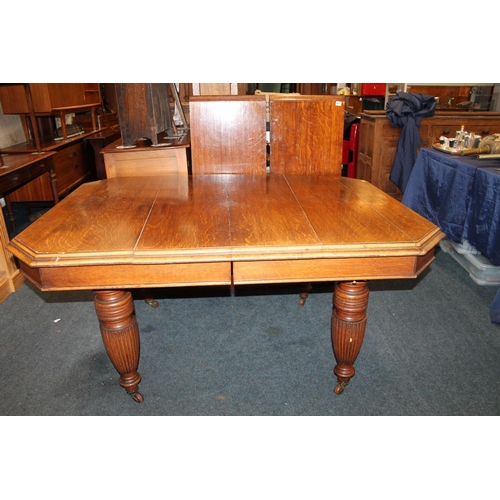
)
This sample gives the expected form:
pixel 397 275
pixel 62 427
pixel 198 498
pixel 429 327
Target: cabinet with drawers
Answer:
pixel 71 167
pixel 378 140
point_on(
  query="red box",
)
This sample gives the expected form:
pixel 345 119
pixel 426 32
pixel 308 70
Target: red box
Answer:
pixel 373 88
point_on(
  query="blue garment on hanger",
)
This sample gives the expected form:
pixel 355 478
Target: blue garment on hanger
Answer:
pixel 406 111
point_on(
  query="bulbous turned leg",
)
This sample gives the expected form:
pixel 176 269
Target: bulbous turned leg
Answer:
pixel 120 334
pixel 350 301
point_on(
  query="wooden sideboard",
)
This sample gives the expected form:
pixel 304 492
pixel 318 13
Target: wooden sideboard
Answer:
pixel 378 140
pixel 71 165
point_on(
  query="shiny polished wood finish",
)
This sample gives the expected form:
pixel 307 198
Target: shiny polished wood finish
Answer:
pixel 119 234
pixel 228 134
pixel 306 134
pixel 120 334
pixel 350 302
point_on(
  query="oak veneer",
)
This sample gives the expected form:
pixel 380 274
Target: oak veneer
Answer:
pixel 228 134
pixel 306 134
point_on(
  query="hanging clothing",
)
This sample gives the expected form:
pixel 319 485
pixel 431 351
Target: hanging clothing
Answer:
pixel 406 111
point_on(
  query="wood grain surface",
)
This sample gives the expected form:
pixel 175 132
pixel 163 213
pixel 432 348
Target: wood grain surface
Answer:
pixel 306 135
pixel 149 231
pixel 228 135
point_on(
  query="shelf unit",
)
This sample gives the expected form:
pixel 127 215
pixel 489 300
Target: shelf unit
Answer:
pixel 38 104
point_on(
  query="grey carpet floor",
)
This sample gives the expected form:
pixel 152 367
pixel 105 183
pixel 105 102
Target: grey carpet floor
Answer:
pixel 429 349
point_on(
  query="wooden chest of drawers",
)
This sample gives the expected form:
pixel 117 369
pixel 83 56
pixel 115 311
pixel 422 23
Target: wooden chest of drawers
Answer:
pixel 71 168
pixel 378 140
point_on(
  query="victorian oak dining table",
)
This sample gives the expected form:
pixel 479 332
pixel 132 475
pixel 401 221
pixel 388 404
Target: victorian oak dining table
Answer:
pixel 119 234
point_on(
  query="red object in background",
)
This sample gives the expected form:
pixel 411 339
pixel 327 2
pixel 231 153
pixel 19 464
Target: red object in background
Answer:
pixel 373 88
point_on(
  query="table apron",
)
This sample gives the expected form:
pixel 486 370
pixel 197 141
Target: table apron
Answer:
pixel 101 277
pixel 124 276
pixel 340 269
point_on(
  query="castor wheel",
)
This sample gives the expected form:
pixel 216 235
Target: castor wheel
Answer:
pixel 303 298
pixel 339 388
pixel 137 397
pixel 151 302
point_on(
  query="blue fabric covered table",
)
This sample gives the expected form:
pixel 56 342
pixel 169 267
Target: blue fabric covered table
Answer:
pixel 461 195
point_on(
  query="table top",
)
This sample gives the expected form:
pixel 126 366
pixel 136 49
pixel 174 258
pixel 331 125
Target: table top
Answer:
pixel 318 221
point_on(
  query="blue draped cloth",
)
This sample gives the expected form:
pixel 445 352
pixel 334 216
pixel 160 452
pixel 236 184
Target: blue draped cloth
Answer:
pixel 406 111
pixel 482 226
pixel 439 189
pixel 461 195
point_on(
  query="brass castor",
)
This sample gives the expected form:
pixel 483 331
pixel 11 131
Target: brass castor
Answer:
pixel 137 397
pixel 151 302
pixel 339 388
pixel 303 298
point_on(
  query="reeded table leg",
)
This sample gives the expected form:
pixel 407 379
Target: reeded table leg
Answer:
pixel 350 301
pixel 120 334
